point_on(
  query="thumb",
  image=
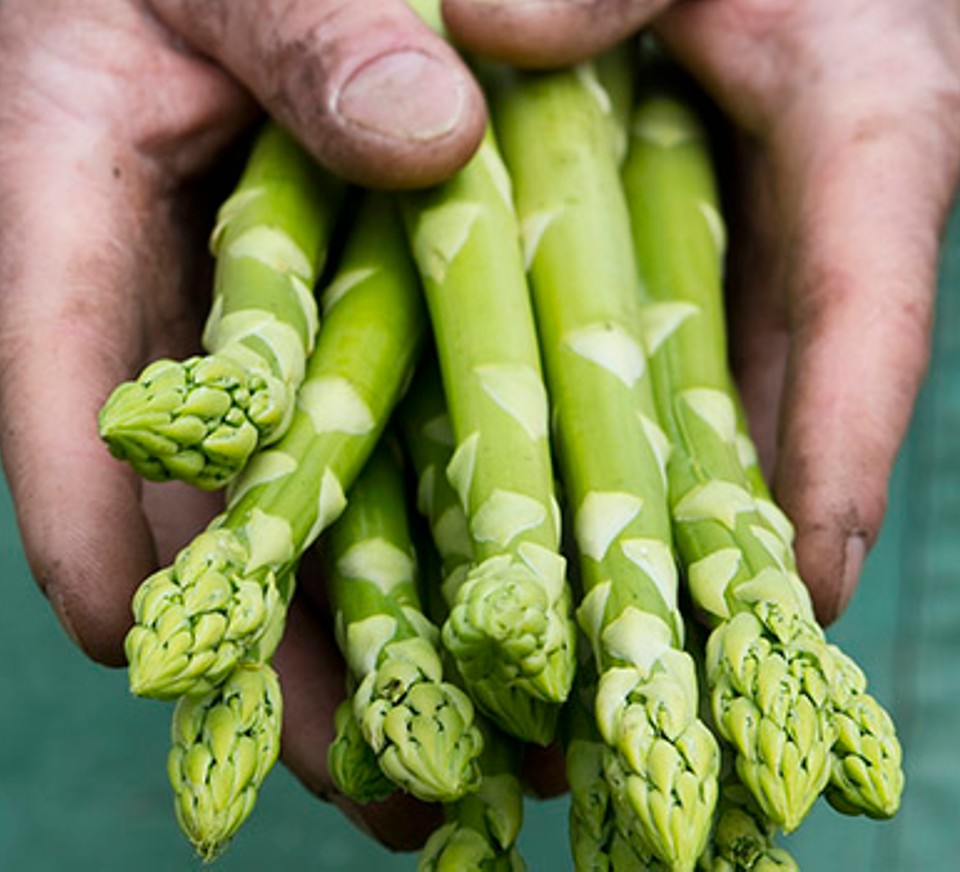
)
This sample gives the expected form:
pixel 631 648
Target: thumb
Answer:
pixel 376 96
pixel 868 209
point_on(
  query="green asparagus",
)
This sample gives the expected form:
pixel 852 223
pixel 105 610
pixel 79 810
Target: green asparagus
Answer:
pixel 353 764
pixel 200 419
pixel 510 624
pixel 420 727
pixel 775 682
pixel 429 443
pixel 224 598
pixel 223 745
pixel 866 775
pixel 481 829
pixel 553 129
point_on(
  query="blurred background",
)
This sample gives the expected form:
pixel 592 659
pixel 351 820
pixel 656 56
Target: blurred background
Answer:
pixel 82 764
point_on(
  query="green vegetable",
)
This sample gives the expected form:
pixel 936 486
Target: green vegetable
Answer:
pixel 866 775
pixel 429 443
pixel 481 829
pixel 767 664
pixel 354 768
pixel 420 727
pixel 510 624
pixel 743 838
pixel 223 745
pixel 224 599
pixel 200 420
pixel 663 762
pixel 592 820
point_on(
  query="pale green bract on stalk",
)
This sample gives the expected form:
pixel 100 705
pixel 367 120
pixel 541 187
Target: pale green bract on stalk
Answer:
pixel 223 745
pixel 200 420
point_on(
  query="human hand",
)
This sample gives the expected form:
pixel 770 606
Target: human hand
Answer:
pixel 115 114
pixel 846 155
pixel 115 121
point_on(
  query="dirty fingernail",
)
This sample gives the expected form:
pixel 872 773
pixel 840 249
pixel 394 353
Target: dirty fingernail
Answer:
pixel 407 95
pixel 854 554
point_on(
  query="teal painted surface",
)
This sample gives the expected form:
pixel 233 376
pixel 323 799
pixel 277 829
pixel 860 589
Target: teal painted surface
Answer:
pixel 82 781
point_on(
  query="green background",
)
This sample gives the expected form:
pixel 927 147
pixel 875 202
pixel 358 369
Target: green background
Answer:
pixel 82 779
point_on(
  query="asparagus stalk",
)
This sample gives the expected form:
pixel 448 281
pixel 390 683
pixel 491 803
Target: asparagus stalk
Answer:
pixel 223 745
pixel 429 443
pixel 482 828
pixel 200 419
pixel 353 764
pixel 597 842
pixel 224 598
pixel 866 775
pixel 770 671
pixel 554 131
pixel 510 624
pixel 420 727
pixel 743 837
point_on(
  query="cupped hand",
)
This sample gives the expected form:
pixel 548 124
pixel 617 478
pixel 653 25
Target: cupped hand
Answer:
pixel 116 122
pixel 116 116
pixel 846 118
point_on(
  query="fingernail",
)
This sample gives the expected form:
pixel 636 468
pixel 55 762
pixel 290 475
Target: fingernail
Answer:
pixel 408 95
pixel 56 600
pixel 854 553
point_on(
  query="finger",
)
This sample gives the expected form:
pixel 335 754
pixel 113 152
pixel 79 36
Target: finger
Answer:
pixel 870 198
pixel 376 96
pixel 91 252
pixel 544 773
pixel 755 292
pixel 68 334
pixel 545 33
pixel 312 679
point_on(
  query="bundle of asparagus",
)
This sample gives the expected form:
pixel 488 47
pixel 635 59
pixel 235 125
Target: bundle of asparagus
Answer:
pixel 567 284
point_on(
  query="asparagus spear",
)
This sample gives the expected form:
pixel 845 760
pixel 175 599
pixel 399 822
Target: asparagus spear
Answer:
pixel 223 745
pixel 353 764
pixel 224 598
pixel 510 624
pixel 597 841
pixel 429 443
pixel 554 131
pixel 420 727
pixel 482 828
pixel 200 419
pixel 866 775
pixel 742 838
pixel 776 684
